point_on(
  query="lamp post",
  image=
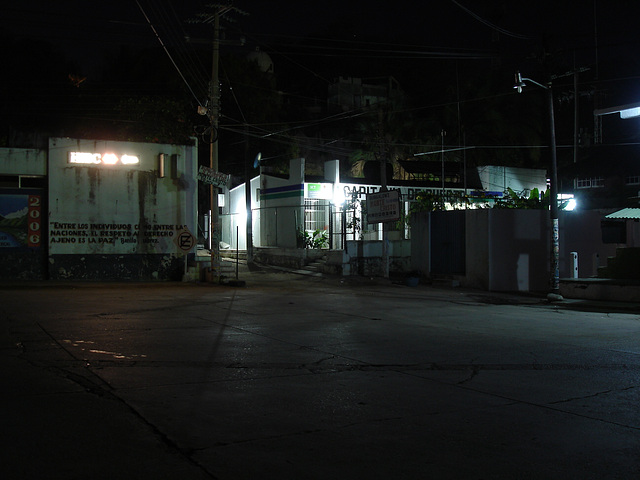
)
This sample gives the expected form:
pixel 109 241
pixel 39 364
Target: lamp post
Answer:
pixel 554 293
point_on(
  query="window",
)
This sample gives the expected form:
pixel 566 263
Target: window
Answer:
pixel 633 180
pixel 315 215
pixel 590 182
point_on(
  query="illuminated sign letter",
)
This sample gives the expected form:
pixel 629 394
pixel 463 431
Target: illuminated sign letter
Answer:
pixel 84 158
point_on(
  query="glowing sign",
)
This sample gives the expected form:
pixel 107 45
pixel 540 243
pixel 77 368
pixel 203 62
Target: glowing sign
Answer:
pixel 84 158
pixel 109 159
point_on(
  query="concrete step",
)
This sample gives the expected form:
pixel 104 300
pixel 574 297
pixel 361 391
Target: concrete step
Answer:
pixel 316 265
pixel 232 254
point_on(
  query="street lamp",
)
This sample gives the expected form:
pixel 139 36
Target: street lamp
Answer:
pixel 554 294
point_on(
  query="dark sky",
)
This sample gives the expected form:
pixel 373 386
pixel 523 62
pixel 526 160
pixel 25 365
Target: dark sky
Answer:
pixel 466 24
pixel 416 32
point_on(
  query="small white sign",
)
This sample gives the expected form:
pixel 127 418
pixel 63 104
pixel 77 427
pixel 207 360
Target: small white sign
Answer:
pixel 210 176
pixel 383 207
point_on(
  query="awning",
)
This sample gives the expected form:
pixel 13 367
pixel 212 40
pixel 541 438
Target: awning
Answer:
pixel 625 214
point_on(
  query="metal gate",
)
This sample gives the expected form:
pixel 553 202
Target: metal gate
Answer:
pixel 448 247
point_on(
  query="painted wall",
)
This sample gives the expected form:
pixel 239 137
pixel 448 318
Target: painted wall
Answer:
pixel 518 242
pixel 22 243
pixel 282 206
pixel 121 220
pixel 508 250
pixel 234 226
pixel 23 254
pixel 580 232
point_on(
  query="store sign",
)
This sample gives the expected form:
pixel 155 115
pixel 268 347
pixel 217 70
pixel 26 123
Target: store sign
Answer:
pixel 383 207
pixel 85 158
pixel 322 191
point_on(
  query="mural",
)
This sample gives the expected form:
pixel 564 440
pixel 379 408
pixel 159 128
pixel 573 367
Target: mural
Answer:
pixel 20 220
pixel 22 252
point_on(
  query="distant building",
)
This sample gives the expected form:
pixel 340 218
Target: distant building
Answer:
pixel 349 93
pixel 607 177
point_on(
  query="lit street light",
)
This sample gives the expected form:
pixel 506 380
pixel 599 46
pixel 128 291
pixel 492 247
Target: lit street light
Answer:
pixel 554 294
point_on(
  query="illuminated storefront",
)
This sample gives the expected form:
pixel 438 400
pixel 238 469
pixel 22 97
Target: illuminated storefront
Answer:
pixel 285 205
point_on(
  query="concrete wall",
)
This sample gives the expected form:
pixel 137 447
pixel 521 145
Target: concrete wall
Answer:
pixel 234 222
pixel 478 238
pixel 282 206
pixel 505 250
pixel 23 161
pixel 518 244
pixel 365 257
pixel 580 232
pixel 420 245
pixel 508 250
pixel 120 221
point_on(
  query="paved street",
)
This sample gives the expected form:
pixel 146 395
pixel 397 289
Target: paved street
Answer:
pixel 300 377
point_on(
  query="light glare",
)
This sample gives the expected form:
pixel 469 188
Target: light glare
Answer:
pixel 630 113
pixel 129 160
pixel 109 159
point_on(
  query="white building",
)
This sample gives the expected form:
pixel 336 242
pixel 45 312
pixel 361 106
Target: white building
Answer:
pixel 285 206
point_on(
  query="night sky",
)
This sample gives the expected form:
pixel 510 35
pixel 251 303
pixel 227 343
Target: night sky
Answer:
pixel 417 32
pixel 429 46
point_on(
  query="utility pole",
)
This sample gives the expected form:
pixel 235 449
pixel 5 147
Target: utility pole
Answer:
pixel 383 188
pixel 214 113
pixel 214 118
pixel 442 134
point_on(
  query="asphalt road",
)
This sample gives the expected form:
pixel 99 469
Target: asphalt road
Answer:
pixel 294 377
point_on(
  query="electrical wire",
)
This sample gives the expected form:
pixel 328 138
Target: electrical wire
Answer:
pixel 168 54
pixel 489 24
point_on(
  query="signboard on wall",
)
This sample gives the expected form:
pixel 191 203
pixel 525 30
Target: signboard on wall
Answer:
pixel 20 220
pixel 383 207
pixel 318 191
pixel 185 240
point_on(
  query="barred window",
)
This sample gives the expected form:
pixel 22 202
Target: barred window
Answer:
pixel 315 215
pixel 590 182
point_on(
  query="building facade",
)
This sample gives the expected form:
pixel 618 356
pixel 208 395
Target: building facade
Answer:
pixel 284 207
pixel 98 210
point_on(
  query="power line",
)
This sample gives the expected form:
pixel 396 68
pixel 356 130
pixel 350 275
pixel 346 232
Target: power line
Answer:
pixel 168 54
pixel 489 24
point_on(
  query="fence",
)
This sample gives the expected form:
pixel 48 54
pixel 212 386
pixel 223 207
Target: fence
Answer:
pixel 282 226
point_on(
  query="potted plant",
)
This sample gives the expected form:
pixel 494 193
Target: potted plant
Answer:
pixel 412 278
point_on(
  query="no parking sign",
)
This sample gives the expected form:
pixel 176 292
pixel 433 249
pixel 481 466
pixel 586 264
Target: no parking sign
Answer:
pixel 185 240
